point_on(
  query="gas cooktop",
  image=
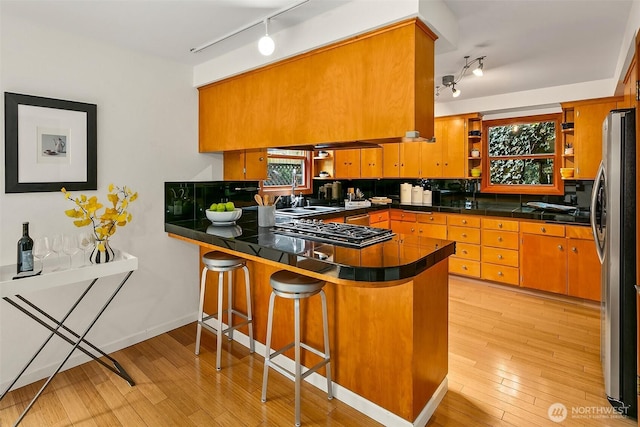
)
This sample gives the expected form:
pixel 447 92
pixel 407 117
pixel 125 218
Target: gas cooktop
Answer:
pixel 350 235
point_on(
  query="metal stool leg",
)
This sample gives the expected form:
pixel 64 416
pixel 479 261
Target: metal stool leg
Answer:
pixel 203 283
pixel 298 374
pixel 219 331
pixel 267 356
pixel 230 304
pixel 252 345
pixel 327 355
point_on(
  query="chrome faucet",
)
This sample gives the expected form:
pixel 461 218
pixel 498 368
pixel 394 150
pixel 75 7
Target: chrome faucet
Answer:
pixel 295 201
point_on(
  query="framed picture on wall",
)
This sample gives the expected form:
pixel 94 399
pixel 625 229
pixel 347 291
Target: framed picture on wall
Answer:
pixel 49 144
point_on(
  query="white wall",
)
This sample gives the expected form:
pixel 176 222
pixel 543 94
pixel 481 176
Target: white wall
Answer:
pixel 147 134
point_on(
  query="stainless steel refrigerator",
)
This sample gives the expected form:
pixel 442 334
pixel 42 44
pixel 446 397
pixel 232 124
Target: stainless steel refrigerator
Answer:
pixel 613 219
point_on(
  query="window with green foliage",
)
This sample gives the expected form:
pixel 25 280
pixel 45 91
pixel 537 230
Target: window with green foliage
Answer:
pixel 281 165
pixel 523 154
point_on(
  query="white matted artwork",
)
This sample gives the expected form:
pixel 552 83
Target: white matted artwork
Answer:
pixel 53 146
pixel 50 144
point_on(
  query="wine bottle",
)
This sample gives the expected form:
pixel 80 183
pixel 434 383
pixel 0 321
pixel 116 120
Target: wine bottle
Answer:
pixel 25 250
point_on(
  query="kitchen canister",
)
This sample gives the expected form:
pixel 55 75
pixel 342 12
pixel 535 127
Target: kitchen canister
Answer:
pixel 405 193
pixel 416 195
pixel 427 198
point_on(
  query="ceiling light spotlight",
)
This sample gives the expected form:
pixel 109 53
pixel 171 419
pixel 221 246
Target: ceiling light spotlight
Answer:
pixel 266 45
pixel 478 70
pixel 456 92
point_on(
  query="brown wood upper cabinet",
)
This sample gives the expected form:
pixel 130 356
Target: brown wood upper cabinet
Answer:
pixel 245 165
pixel 447 156
pixel 401 160
pixel 373 86
pixel 347 163
pixel 587 134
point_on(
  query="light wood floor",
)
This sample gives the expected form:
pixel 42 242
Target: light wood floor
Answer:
pixel 511 355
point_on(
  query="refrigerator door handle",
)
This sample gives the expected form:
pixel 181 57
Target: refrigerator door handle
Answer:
pixel 594 206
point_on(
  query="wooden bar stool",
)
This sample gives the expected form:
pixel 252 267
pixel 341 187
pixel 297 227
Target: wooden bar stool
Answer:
pixel 287 284
pixel 224 263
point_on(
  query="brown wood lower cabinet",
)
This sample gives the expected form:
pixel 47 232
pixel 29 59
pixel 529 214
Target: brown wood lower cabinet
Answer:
pixel 584 271
pixel 543 263
pixel 500 256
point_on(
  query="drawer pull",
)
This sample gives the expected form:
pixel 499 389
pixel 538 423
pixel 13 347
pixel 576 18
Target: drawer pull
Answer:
pixel 464 267
pixel 574 249
pixel 464 235
pixel 464 221
pixel 430 218
pixel 544 230
pixel 413 229
pixel 500 225
pixel 560 247
pixel 420 231
pixel 464 251
pixel 499 239
pixel 500 273
pixel 499 256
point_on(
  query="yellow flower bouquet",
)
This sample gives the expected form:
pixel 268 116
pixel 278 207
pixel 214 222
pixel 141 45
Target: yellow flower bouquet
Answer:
pixel 105 224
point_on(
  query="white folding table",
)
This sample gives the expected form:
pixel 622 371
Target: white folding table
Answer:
pixel 13 291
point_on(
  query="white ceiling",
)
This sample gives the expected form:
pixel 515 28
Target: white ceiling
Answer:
pixel 529 44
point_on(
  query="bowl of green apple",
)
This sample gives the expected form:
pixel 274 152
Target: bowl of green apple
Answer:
pixel 223 213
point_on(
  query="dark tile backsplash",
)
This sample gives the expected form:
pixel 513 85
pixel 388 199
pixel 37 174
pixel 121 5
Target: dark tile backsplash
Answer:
pixel 189 200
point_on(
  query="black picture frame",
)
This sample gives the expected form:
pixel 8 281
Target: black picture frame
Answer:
pixel 53 168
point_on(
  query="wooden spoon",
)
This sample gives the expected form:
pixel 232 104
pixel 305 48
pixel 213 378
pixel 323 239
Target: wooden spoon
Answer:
pixel 277 200
pixel 258 199
pixel 266 199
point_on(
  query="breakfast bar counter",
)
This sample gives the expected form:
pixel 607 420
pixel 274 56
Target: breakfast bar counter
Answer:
pixel 388 310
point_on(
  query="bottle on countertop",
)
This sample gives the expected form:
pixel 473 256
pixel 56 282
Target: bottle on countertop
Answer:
pixel 25 250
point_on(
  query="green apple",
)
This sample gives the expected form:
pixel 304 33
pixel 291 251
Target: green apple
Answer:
pixel 213 207
pixel 230 206
pixel 220 207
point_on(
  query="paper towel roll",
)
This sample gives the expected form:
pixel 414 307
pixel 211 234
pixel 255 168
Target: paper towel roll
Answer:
pixel 427 197
pixel 405 194
pixel 416 195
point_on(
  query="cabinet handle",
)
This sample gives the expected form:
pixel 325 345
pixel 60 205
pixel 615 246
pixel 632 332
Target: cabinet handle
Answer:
pixel 464 251
pixel 261 159
pixel 544 230
pixel 500 225
pixel 464 267
pixel 420 231
pixel 430 218
pixel 413 229
pixel 437 164
pixel 499 239
pixel 499 256
pixel 574 249
pixel 446 164
pixel 464 235
pixel 464 221
pixel 559 247
pixel 500 273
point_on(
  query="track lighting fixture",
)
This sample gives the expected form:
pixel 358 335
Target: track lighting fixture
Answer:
pixel 451 81
pixel 266 45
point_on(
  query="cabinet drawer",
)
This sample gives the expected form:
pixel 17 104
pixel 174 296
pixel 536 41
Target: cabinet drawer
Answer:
pixel 464 267
pixel 574 232
pixel 467 251
pixel 499 224
pixel 464 234
pixel 378 216
pixel 542 229
pixel 380 224
pixel 401 227
pixel 500 239
pixel 464 221
pixel 400 215
pixel 500 273
pixel 500 256
pixel 432 218
pixel 435 231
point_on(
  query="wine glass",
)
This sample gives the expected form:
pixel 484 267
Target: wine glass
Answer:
pixel 70 246
pixel 86 241
pixel 41 249
pixel 56 248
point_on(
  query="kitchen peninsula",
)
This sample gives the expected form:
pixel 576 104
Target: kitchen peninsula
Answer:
pixel 388 310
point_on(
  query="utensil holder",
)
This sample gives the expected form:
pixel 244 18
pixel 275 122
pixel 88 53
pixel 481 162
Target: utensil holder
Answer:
pixel 266 216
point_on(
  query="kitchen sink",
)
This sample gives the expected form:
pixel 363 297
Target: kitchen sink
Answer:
pixel 305 211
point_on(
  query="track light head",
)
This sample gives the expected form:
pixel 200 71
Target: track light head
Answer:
pixel 266 45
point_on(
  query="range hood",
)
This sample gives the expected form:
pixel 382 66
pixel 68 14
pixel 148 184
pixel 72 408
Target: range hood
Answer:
pixel 411 136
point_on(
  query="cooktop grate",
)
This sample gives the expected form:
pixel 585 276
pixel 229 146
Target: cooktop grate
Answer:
pixel 350 235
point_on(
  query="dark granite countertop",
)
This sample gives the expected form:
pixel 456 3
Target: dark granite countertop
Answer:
pixel 382 262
